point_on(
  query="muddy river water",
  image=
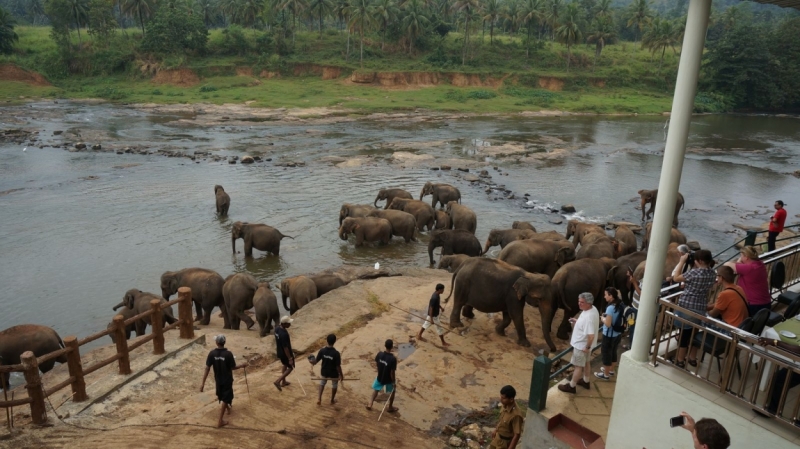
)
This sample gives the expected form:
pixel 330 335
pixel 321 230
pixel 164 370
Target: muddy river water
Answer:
pixel 78 229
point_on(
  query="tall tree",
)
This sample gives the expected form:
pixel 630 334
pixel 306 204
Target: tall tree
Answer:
pixel 295 7
pixel 361 14
pixel 553 16
pixel 207 10
pixel 603 9
pixel 639 17
pixel 249 12
pixel 532 13
pixel 322 8
pixel 513 15
pixel 491 11
pixel 467 7
pixel 569 33
pixel 79 11
pixel 385 11
pixel 659 36
pixel 602 33
pixel 138 8
pixel 7 34
pixel 414 22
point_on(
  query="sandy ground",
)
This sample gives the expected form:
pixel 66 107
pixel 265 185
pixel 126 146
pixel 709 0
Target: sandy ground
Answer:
pixel 437 386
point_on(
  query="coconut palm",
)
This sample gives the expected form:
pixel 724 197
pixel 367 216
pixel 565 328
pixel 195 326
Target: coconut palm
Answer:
pixel 639 16
pixel 79 12
pixel 603 9
pixel 414 22
pixel 361 14
pixel 569 33
pixel 491 11
pixel 532 13
pixel 603 32
pixel 138 8
pixel 385 11
pixel 7 34
pixel 248 12
pixel 322 8
pixel 468 7
pixel 512 15
pixel 295 7
pixel 659 36
pixel 553 15
pixel 207 9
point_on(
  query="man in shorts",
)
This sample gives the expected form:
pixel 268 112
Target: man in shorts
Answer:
pixel 434 307
pixel 223 362
pixel 285 354
pixel 584 333
pixel 331 368
pixel 387 364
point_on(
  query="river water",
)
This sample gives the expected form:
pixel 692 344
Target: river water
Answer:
pixel 79 229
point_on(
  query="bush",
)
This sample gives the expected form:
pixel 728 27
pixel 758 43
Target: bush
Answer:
pixel 481 95
pixel 234 42
pixel 454 95
pixel 711 102
pixel 174 31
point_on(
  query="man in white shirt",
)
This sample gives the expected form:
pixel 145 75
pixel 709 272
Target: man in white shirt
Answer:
pixel 584 333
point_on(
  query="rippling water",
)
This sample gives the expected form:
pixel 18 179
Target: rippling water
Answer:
pixel 80 232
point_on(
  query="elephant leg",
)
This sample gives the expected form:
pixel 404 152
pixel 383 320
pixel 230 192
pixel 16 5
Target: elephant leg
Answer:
pixel 235 321
pixel 140 327
pixel 246 318
pixel 519 325
pixel 4 381
pixel 501 327
pixel 198 307
pixel 467 312
pixel 564 327
pixel 455 318
pixel 262 326
pixel 47 366
pixel 206 317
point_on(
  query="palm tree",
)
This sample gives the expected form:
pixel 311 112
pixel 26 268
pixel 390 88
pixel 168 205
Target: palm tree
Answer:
pixel 532 12
pixel 603 32
pixel 468 7
pixel 553 14
pixel 7 34
pixel 36 9
pixel 322 7
pixel 360 12
pixel 140 8
pixel 79 12
pixel 249 12
pixel 491 11
pixel 207 10
pixel 385 12
pixel 659 36
pixel 414 22
pixel 639 16
pixel 603 9
pixel 513 15
pixel 569 32
pixel 294 6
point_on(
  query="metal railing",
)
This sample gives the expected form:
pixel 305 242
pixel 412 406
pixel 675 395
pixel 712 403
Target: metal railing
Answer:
pixel 541 377
pixel 750 240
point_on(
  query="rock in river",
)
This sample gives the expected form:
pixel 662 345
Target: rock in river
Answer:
pixel 568 208
pixel 247 160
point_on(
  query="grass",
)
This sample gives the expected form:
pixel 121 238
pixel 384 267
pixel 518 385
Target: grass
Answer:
pixel 632 81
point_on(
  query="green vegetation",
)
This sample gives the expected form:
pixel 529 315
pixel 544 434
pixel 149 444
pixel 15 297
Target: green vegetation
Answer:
pixel 575 55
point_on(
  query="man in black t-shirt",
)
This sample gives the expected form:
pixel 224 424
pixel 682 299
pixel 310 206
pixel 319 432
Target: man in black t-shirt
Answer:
pixel 434 307
pixel 331 368
pixel 387 364
pixel 223 362
pixel 285 354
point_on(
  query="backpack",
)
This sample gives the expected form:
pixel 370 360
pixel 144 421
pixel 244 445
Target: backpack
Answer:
pixel 624 319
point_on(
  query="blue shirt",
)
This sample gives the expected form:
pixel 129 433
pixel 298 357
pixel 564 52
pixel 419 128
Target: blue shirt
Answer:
pixel 614 314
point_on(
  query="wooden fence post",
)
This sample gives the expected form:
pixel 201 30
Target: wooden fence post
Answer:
pixel 75 369
pixel 122 345
pixel 185 312
pixel 157 322
pixel 33 383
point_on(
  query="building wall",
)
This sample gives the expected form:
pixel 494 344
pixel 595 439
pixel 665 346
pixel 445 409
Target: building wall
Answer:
pixel 644 401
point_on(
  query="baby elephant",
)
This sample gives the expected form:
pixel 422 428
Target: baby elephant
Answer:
pixel 139 302
pixel 223 200
pixel 266 305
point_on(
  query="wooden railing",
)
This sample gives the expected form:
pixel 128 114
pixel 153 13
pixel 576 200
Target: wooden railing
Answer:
pixel 77 371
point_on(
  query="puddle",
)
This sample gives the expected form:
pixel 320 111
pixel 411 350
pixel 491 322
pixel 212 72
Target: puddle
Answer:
pixel 405 349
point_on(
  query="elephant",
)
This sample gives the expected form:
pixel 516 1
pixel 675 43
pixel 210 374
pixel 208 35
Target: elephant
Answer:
pixel 624 235
pixel 620 248
pixel 455 241
pixel 574 278
pixel 266 306
pixel 301 290
pixel 650 196
pixel 538 256
pixel 577 229
pixel 354 211
pixel 618 274
pixel 126 314
pixel 596 246
pixel 523 225
pixel 453 262
pixel 675 236
pixel 326 282
pixel 442 220
pixel 424 213
pixel 389 195
pixel 547 235
pixel 139 302
pixel 491 286
pixel 403 223
pixel 441 193
pixel 206 288
pixel 38 339
pixel 238 292
pixel 503 237
pixel 223 200
pixel 366 229
pixel 673 257
pixel 461 217
pixel 258 236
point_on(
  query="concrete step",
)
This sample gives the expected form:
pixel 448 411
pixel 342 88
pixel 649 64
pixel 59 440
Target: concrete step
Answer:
pixel 574 434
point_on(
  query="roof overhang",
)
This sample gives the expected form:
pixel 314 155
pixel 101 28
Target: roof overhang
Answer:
pixel 782 3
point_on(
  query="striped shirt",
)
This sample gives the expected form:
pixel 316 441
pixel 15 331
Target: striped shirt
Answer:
pixel 698 282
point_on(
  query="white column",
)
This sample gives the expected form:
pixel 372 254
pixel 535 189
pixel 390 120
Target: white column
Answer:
pixel 682 106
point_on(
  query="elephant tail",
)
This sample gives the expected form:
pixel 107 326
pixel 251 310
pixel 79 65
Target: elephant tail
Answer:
pixel 452 282
pixel 287 236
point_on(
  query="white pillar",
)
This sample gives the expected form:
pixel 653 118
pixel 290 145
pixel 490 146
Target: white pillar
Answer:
pixel 682 106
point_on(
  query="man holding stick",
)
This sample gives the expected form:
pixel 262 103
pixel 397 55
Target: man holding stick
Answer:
pixel 222 361
pixel 331 368
pixel 285 354
pixel 434 307
pixel 387 364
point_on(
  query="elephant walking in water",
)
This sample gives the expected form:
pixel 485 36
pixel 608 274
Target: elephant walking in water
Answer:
pixel 422 212
pixel 403 224
pixel 389 195
pixel 138 302
pixel 366 229
pixel 461 217
pixel 354 211
pixel 441 193
pixel 223 200
pixel 258 236
pixel 650 196
pixel 491 286
pixel 206 288
pixel 454 242
pixel 503 237
pixel 40 340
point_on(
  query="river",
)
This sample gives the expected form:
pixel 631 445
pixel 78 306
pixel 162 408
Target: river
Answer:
pixel 78 229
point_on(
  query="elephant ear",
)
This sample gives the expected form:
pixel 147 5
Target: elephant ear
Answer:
pixel 521 286
pixel 561 256
pixel 173 285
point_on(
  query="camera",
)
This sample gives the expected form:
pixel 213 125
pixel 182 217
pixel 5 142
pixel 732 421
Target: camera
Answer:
pixel 684 249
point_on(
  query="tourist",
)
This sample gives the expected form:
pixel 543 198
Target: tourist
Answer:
pixel 697 283
pixel 706 433
pixel 776 225
pixel 509 424
pixel 434 307
pixel 331 368
pixel 611 337
pixel 731 303
pixel 284 345
pixel 584 333
pixel 753 279
pixel 387 364
pixel 223 362
pixel 779 378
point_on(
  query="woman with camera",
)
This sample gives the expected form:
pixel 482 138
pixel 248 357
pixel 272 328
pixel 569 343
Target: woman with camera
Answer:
pixel 753 279
pixel 697 283
pixel 611 337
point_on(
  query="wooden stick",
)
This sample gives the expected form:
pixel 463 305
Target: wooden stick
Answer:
pixel 247 384
pixel 5 394
pixel 301 386
pixel 423 319
pixel 384 405
pixel 12 408
pixel 332 378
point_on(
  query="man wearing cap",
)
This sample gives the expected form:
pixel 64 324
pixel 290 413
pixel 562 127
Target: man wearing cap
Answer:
pixel 776 225
pixel 434 307
pixel 509 425
pixel 387 364
pixel 331 368
pixel 285 354
pixel 223 362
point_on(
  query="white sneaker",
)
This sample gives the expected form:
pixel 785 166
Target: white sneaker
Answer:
pixel 603 370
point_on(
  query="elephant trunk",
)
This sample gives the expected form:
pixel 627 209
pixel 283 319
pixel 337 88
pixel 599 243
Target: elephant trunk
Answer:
pixel 486 248
pixel 375 203
pixel 431 246
pixel 342 234
pixel 283 299
pixel 644 202
pixel 119 306
pixel 233 243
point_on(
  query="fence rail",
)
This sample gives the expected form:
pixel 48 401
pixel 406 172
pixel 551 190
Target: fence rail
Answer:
pixel 77 371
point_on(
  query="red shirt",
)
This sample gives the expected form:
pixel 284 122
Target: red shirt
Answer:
pixel 753 280
pixel 780 219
